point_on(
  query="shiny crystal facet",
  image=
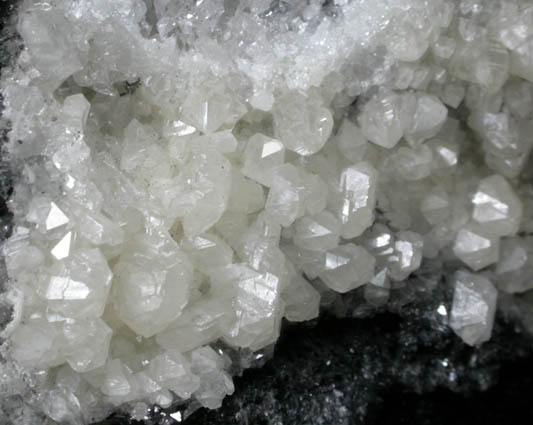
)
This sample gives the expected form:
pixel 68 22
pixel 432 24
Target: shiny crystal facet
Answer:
pixel 496 207
pixel 347 267
pixel 476 247
pixel 358 190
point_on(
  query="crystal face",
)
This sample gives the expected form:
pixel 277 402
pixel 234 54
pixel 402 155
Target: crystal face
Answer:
pixel 473 309
pixel 187 175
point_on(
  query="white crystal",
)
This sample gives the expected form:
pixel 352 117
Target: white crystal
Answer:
pixel 435 206
pixel 496 207
pixel 427 120
pixel 319 232
pixel 407 255
pixel 380 120
pixel 351 141
pixel 87 343
pixel 151 285
pixel 413 163
pixel 262 158
pixel 173 371
pixel 347 267
pixel 301 122
pixel 186 175
pixel 285 201
pixel 358 185
pixel 78 285
pixel 476 247
pixel 256 305
pixel 215 383
pixel 513 271
pixel 473 308
pixel 302 301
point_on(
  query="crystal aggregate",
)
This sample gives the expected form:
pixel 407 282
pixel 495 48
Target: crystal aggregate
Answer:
pixel 191 173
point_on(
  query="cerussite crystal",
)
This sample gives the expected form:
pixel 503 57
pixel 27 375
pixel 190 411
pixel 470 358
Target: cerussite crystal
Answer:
pixel 187 174
pixel 474 306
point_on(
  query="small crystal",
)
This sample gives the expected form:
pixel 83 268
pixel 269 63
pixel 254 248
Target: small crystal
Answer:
pixel 262 158
pixel 358 189
pixel 514 270
pixel 473 308
pixel 429 116
pixel 302 123
pixel 302 301
pixel 347 267
pixel 173 371
pixel 151 285
pixel 496 207
pixel 475 247
pixel 351 141
pixel 87 343
pixel 215 383
pixel 380 120
pixel 285 200
pixel 78 285
pixel 319 232
pixel 413 163
pixel 435 206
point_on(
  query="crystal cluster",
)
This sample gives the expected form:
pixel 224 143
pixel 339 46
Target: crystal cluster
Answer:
pixel 191 173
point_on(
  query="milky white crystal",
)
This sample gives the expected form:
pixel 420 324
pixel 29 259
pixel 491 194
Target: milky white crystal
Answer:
pixel 473 308
pixel 188 174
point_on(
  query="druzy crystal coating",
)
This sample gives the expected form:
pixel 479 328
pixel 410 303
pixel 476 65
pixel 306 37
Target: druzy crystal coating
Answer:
pixel 188 175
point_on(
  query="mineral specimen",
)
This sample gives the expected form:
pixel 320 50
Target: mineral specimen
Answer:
pixel 189 174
